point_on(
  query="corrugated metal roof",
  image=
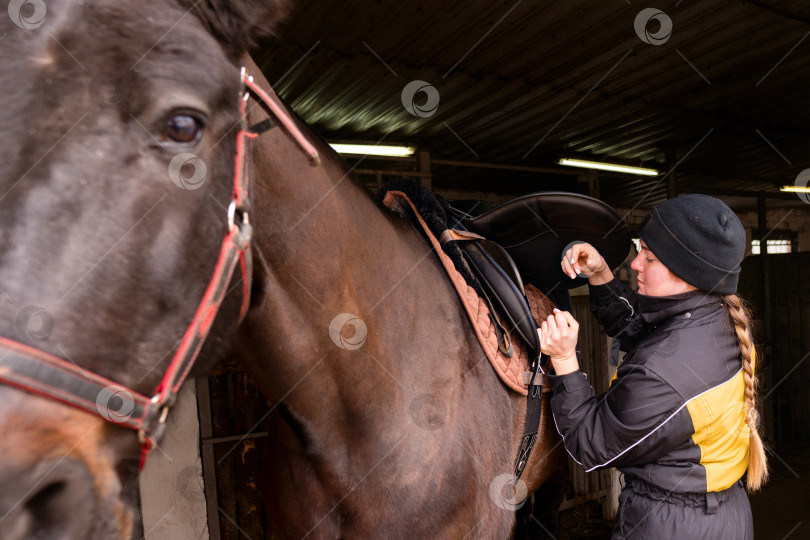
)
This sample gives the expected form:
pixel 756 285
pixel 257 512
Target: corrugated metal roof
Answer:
pixel 525 82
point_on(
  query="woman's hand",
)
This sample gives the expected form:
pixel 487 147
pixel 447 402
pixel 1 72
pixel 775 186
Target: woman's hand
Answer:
pixel 586 260
pixel 558 339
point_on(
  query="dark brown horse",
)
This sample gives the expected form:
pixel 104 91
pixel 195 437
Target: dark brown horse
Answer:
pixel 391 422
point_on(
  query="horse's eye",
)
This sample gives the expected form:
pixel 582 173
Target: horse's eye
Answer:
pixel 182 128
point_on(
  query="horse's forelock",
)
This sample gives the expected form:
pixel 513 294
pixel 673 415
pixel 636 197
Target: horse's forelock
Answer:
pixel 242 24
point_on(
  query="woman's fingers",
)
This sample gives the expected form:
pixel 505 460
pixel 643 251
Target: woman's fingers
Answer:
pixel 564 324
pixel 581 258
pixel 568 263
pixel 551 321
pixel 569 260
pixel 558 334
pixel 580 255
pixel 565 320
pixel 544 337
pixel 577 253
pixel 567 269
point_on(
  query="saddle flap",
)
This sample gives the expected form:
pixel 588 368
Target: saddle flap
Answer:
pixel 535 228
pixel 505 293
pixel 505 261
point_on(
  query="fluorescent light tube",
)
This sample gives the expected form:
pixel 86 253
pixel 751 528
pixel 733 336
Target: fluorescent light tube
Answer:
pixel 373 150
pixel 795 189
pixel 608 167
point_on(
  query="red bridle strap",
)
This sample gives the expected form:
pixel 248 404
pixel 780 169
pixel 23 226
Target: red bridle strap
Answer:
pixel 283 120
pixel 45 375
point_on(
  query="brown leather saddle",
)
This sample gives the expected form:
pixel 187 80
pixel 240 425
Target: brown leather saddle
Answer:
pixel 532 232
pixel 525 239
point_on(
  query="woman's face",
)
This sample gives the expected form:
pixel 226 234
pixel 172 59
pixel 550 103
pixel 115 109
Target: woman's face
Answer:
pixel 655 279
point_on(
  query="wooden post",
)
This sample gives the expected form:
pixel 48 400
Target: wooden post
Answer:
pixel 804 241
pixel 762 214
pixel 593 183
pixel 610 505
pixel 672 179
pixel 424 167
pixel 208 458
pixel 172 496
pixel 766 314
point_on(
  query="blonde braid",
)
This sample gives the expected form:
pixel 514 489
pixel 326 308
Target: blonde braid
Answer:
pixel 757 459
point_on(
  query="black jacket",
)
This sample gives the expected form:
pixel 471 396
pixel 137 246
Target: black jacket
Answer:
pixel 674 414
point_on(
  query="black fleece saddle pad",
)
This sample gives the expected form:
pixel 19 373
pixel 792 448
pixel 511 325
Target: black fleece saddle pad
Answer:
pixel 536 228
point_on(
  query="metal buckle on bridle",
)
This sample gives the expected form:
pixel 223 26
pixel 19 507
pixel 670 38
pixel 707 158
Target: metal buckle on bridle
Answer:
pixel 244 218
pixel 239 226
pixel 280 118
pixel 151 433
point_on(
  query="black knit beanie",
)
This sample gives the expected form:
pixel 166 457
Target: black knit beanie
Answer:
pixel 700 239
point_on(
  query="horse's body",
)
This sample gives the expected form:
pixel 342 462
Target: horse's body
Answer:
pixel 401 436
pixel 404 434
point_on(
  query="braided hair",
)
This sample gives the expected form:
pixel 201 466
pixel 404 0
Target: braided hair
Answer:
pixel 757 459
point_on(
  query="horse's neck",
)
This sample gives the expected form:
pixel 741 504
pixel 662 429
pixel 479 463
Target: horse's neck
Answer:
pixel 325 249
pixel 333 265
pixel 359 338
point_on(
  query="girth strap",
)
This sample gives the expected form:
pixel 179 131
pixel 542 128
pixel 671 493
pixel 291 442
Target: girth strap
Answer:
pixel 534 410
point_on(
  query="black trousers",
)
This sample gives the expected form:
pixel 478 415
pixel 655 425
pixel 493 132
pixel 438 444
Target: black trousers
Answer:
pixel 648 512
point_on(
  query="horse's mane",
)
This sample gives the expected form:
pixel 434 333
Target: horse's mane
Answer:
pixel 240 25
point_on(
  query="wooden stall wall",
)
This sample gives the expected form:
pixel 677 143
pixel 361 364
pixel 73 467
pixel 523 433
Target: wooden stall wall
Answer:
pixel 232 430
pixel 785 370
pixel 593 345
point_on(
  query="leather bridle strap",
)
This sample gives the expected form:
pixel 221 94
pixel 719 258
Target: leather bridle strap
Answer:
pixel 45 375
pixel 283 120
pixel 40 373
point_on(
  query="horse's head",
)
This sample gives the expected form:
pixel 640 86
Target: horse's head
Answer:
pixel 118 133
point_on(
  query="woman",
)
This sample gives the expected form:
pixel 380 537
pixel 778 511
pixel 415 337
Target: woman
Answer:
pixel 679 418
